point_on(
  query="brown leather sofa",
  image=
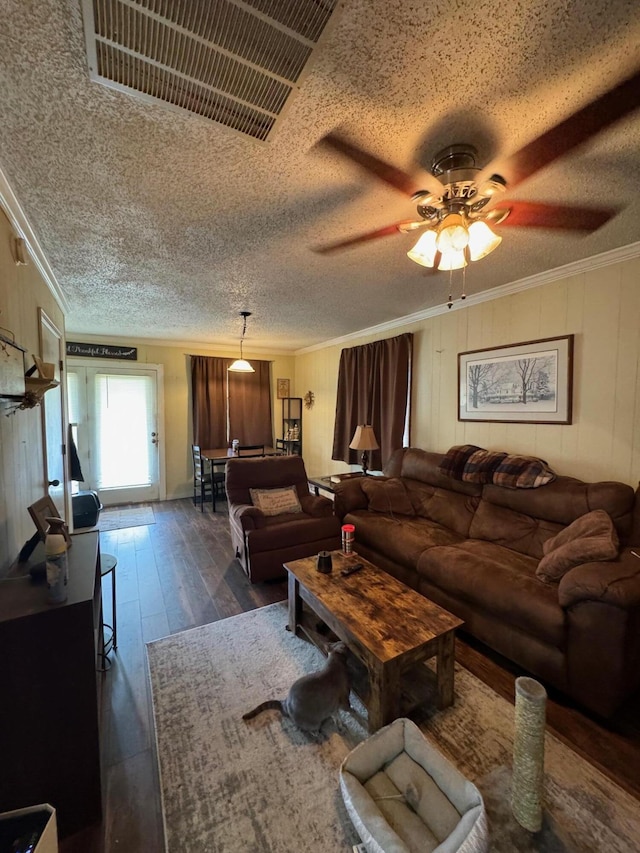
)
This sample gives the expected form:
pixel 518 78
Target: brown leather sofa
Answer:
pixel 262 542
pixel 474 550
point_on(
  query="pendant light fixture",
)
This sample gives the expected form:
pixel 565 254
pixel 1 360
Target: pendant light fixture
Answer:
pixel 240 365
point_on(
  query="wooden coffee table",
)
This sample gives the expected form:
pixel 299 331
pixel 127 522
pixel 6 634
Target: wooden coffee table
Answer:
pixel 389 627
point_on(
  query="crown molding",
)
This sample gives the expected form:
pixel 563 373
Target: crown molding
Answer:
pixel 21 226
pixel 613 256
pixel 136 341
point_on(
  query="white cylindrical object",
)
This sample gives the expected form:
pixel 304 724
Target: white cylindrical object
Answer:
pixel 528 753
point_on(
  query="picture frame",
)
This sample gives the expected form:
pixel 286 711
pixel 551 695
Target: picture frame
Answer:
pixel 41 510
pixel 283 388
pixel 529 382
pixel 12 369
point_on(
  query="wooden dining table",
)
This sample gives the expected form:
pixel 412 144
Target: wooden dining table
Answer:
pixel 218 458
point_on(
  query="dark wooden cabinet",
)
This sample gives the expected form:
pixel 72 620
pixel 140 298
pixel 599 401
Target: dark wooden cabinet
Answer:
pixel 49 687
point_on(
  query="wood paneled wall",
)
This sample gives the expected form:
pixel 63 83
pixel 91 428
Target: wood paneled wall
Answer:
pixel 22 476
pixel 601 308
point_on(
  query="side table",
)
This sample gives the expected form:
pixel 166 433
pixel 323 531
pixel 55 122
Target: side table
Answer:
pixel 325 484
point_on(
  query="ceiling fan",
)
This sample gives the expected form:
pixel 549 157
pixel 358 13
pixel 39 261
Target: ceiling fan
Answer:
pixel 460 203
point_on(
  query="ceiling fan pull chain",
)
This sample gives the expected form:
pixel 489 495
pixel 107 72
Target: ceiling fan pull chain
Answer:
pixel 464 283
pixel 450 302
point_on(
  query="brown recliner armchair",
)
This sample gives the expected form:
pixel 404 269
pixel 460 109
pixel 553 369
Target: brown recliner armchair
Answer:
pixel 262 542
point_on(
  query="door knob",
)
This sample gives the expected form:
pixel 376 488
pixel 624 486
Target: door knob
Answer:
pixel 54 482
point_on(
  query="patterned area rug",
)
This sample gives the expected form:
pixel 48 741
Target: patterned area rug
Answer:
pixel 116 519
pixel 262 785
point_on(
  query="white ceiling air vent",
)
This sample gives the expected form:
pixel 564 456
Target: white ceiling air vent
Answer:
pixel 232 61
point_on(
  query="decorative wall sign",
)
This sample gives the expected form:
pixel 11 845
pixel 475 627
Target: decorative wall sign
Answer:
pixel 283 388
pixel 102 351
pixel 529 382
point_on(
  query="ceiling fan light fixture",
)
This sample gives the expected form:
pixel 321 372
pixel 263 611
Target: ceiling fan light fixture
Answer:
pixel 452 234
pixel 241 365
pixel 424 251
pixel 482 240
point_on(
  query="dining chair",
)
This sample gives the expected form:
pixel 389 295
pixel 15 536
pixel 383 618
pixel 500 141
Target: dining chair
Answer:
pixel 201 478
pixel 251 450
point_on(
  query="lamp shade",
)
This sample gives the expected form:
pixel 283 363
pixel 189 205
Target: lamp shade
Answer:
pixel 241 365
pixel 482 240
pixel 424 251
pixel 364 438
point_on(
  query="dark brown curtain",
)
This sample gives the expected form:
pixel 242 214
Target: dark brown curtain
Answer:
pixel 246 416
pixel 250 418
pixel 373 388
pixel 209 400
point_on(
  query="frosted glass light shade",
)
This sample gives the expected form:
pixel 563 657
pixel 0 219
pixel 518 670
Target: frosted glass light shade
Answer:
pixel 482 240
pixel 424 251
pixel 452 234
pixel 452 261
pixel 241 365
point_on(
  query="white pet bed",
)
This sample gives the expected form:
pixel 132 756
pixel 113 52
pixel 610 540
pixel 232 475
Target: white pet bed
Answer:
pixel 404 796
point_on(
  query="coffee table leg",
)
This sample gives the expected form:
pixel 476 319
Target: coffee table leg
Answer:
pixel 445 670
pixel 384 695
pixel 295 604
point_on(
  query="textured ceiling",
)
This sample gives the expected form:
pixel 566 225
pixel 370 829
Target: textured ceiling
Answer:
pixel 160 224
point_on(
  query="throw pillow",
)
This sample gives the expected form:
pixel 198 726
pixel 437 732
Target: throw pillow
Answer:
pixel 480 466
pixel 589 538
pixel 276 501
pixel 455 459
pixel 387 495
pixel 522 472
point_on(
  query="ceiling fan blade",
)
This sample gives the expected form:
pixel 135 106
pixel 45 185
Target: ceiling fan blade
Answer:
pixel 386 172
pixel 568 134
pixel 535 214
pixel 397 227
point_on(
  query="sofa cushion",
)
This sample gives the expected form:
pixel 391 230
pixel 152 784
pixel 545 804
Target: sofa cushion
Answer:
pixel 454 460
pixel 522 472
pixel 480 466
pixel 498 581
pixel 276 501
pixel 401 542
pixel 389 496
pixel 589 538
pixel 297 529
pixel 511 529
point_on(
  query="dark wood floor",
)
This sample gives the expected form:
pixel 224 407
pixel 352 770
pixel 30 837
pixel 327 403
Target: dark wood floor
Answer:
pixel 179 573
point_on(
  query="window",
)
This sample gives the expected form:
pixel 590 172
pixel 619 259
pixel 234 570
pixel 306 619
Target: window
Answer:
pixel 374 387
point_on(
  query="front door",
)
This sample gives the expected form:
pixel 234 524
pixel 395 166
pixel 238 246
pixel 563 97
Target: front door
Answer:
pixel 114 416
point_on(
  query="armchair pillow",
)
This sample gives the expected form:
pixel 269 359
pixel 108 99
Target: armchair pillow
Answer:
pixel 388 496
pixel 276 501
pixel 589 538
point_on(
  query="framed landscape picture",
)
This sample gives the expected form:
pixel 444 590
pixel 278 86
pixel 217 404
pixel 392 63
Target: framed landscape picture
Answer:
pixel 530 382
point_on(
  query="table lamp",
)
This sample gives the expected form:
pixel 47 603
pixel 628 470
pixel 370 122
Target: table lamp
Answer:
pixel 364 439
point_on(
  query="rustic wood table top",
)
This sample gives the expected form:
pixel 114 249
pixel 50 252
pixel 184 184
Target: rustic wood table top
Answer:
pixel 382 614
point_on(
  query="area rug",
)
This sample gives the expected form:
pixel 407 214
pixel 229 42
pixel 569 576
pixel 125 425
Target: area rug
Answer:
pixel 263 785
pixel 117 519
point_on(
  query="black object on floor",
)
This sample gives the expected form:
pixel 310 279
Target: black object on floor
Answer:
pixel 86 509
